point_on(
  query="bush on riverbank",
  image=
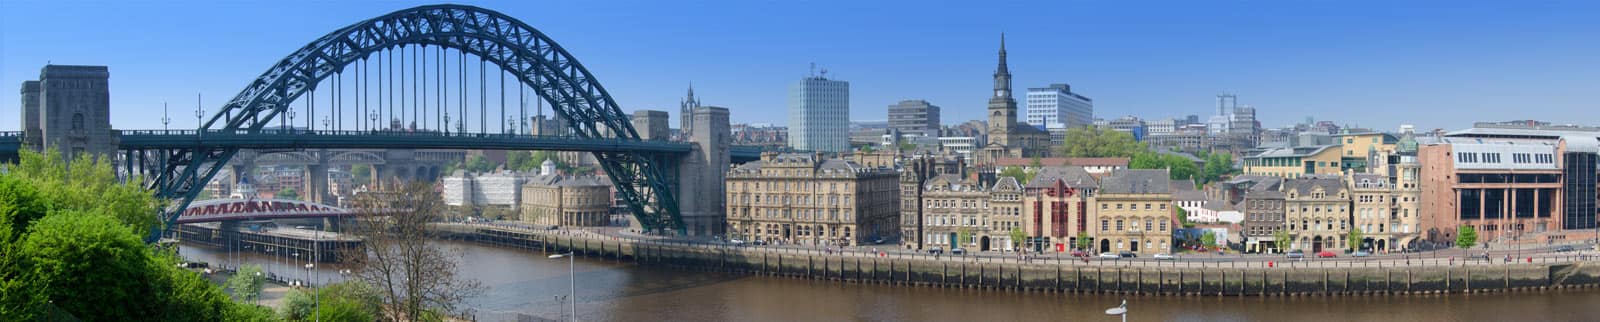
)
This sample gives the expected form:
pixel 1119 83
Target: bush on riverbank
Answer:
pixel 343 301
pixel 70 248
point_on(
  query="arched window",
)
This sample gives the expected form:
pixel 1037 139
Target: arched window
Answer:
pixel 77 121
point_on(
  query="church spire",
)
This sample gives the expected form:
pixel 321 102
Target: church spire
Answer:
pixel 1002 74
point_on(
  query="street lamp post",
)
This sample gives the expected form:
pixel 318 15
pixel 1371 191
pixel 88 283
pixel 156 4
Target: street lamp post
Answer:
pixel 257 295
pixel 315 296
pixel 199 114
pixel 572 268
pixel 164 118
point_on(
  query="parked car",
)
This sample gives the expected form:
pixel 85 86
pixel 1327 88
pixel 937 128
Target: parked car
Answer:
pixel 1296 254
pixel 759 242
pixel 936 250
pixel 1108 255
pixel 1361 253
pixel 1565 248
pixel 878 241
pixel 958 251
pixel 1079 253
pixel 1165 257
pixel 1326 254
pixel 1128 255
pixel 735 241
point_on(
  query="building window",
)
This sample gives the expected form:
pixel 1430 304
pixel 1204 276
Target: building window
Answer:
pixel 1119 224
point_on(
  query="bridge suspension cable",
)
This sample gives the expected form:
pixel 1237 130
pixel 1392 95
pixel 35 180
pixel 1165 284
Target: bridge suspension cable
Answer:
pixel 391 75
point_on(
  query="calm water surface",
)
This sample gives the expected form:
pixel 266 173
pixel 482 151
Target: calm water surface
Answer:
pixel 523 285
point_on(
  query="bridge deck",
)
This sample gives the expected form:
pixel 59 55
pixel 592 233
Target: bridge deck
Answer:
pixel 10 142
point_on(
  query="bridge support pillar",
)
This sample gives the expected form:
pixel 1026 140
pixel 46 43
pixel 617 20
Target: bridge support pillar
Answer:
pixel 227 232
pixel 315 186
pixel 701 190
pixel 331 224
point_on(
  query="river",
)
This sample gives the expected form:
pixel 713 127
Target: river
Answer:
pixel 523 285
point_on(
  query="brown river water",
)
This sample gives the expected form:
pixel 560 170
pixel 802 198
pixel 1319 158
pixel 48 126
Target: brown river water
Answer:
pixel 524 286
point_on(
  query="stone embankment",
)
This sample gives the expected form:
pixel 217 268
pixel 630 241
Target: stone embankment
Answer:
pixel 1049 276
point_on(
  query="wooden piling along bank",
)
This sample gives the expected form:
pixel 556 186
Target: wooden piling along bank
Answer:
pixel 1042 277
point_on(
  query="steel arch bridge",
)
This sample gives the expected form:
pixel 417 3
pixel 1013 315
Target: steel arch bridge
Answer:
pixel 257 209
pixel 178 173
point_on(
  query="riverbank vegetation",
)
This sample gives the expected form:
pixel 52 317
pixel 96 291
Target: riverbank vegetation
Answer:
pixel 71 249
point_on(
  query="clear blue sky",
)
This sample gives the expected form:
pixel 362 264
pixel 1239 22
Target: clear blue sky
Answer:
pixel 1377 64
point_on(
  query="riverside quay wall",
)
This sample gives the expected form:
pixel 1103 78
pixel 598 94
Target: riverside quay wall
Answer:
pixel 1051 276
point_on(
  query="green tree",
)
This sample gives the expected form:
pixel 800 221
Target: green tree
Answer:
pixel 246 283
pixel 1017 237
pixel 1217 165
pixel 964 235
pixel 1282 239
pixel 1180 168
pixel 1183 218
pixel 348 301
pixel 478 163
pixel 287 193
pixel 1092 142
pixel 1022 176
pixel 520 161
pixel 363 173
pixel 88 185
pixel 1208 239
pixel 1084 242
pixel 1466 236
pixel 1354 240
pixel 71 248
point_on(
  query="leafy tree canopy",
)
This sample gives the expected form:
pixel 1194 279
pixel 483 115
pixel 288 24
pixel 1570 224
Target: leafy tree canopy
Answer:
pixel 1466 237
pixel 1093 142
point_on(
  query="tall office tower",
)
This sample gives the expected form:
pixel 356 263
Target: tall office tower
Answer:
pixel 915 117
pixel 1057 107
pixel 819 114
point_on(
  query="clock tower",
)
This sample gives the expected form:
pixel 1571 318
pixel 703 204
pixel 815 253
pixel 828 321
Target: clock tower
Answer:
pixel 1002 108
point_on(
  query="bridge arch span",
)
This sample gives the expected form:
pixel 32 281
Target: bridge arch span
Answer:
pixel 530 56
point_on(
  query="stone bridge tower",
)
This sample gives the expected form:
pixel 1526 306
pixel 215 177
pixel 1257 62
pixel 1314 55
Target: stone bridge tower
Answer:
pixel 702 195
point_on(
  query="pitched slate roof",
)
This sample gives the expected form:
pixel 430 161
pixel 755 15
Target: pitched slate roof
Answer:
pixel 1304 185
pixel 1137 181
pixel 1073 176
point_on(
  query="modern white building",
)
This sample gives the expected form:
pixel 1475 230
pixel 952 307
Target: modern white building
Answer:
pixel 819 114
pixel 1057 107
pixel 503 188
pixel 961 145
pixel 1161 126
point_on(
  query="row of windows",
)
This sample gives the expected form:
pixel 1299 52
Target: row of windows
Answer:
pixel 793 186
pixel 1105 225
pixel 801 230
pixel 833 200
pixel 800 214
pixel 1541 158
pixel 1494 157
pixel 1305 224
pixel 1133 206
